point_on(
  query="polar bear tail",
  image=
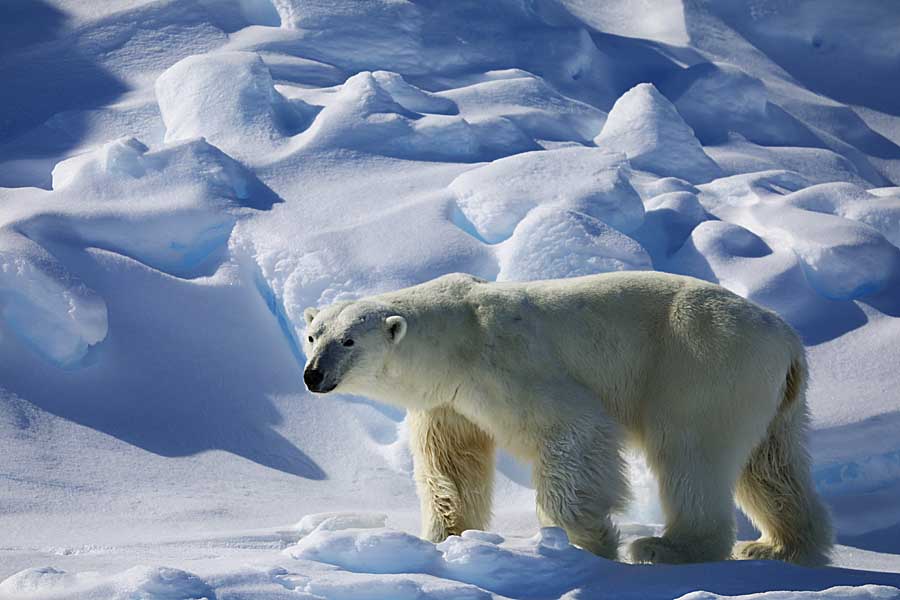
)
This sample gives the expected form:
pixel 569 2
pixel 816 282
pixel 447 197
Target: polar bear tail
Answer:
pixel 776 488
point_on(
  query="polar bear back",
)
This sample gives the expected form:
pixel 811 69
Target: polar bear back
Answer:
pixel 636 343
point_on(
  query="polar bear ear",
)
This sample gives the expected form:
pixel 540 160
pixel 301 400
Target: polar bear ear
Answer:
pixel 396 328
pixel 309 314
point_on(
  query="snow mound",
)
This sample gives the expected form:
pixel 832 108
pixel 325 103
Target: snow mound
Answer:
pixel 230 99
pixel 843 259
pixel 44 305
pixel 559 242
pixel 881 212
pixel 863 592
pixel 150 583
pixel 190 194
pixel 540 567
pixel 367 550
pixel 815 164
pixel 648 129
pixel 411 97
pixel 532 568
pixel 528 102
pixel 669 220
pixel 364 115
pixel 494 198
pixel 339 520
pixel 732 256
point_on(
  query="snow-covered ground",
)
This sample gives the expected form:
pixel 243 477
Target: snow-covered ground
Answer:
pixel 179 179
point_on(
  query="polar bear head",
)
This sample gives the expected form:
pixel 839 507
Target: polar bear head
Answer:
pixel 346 345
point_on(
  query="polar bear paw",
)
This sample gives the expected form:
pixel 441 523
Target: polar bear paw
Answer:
pixel 808 556
pixel 757 551
pixel 657 550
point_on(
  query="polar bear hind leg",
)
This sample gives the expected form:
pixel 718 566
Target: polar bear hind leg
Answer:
pixel 696 491
pixel 776 490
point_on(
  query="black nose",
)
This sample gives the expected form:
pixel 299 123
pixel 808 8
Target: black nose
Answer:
pixel 312 378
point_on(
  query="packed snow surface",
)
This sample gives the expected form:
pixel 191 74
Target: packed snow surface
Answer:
pixel 179 179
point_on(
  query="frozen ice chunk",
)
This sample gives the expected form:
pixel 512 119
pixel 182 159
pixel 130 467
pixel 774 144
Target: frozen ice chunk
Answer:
pixel 368 550
pixel 335 521
pixel 646 127
pixel 227 97
pixel 494 198
pixel 54 313
pixel 558 242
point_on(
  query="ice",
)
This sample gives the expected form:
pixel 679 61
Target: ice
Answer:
pixel 560 242
pixel 338 521
pixel 863 592
pixel 411 97
pixel 496 197
pixel 364 115
pixel 228 98
pixel 45 305
pixel 842 259
pixel 151 583
pixel 669 220
pixel 190 196
pixel 367 550
pixel 484 536
pixel 881 212
pixel 521 571
pixel 534 107
pixel 818 165
pixel 645 126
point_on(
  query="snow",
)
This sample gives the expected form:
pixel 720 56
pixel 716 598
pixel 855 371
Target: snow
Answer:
pixel 496 197
pixel 228 98
pixel 180 179
pixel 647 128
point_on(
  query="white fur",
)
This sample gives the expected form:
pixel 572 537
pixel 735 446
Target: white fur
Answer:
pixel 563 373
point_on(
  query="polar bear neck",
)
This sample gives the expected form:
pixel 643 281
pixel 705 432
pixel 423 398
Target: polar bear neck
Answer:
pixel 424 369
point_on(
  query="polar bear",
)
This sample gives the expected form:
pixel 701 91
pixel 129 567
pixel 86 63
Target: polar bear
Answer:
pixel 564 373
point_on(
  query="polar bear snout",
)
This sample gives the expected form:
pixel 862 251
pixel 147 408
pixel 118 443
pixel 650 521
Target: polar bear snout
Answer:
pixel 315 381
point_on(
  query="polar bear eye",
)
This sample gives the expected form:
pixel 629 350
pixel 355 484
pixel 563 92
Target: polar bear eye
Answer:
pixel 310 339
pixel 348 343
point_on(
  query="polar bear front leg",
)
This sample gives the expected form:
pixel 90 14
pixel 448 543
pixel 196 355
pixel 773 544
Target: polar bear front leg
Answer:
pixel 580 479
pixel 454 470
